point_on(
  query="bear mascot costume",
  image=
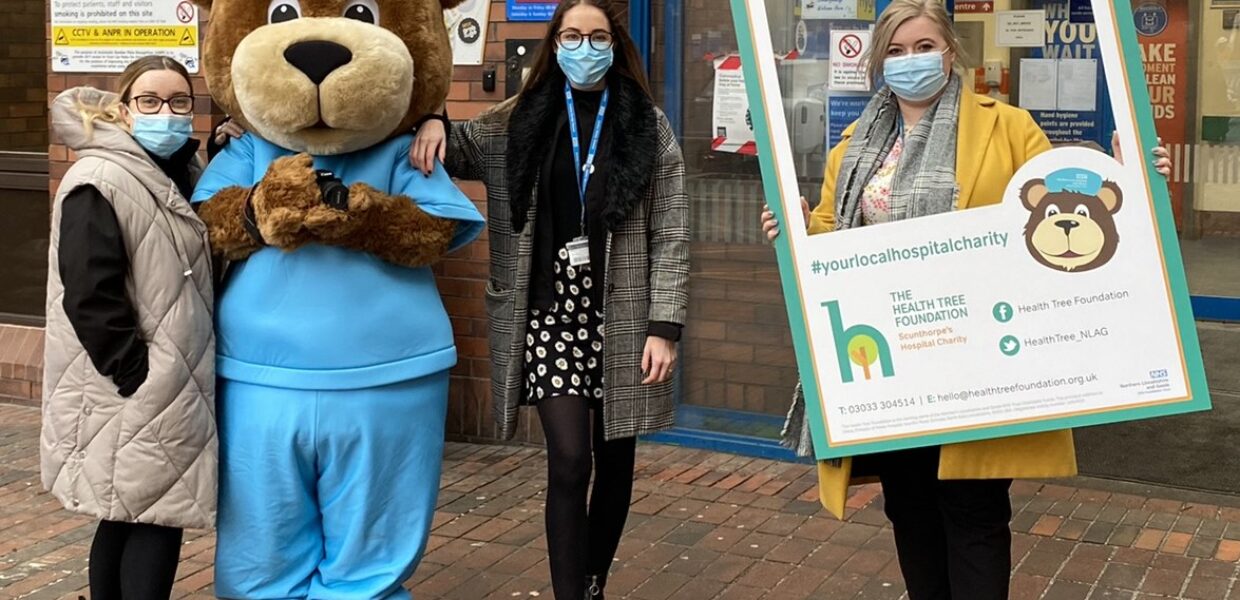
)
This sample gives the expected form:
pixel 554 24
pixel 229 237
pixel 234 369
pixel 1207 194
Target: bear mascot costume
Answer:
pixel 333 343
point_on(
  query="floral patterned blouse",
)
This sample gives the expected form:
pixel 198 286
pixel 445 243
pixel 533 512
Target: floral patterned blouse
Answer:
pixel 876 203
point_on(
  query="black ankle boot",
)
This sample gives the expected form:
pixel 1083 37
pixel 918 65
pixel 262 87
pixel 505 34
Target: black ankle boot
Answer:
pixel 594 587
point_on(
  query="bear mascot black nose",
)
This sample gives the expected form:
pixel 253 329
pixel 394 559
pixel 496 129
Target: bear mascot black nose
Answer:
pixel 317 59
pixel 1067 226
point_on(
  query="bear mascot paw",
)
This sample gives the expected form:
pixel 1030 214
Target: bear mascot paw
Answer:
pixel 333 343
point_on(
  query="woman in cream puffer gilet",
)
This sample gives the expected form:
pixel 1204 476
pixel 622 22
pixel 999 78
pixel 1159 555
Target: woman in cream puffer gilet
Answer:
pixel 128 398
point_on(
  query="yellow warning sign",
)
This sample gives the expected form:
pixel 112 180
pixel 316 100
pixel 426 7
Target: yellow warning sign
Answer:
pixel 130 36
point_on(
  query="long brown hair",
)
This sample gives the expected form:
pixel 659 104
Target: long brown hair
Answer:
pixel 627 63
pixel 107 109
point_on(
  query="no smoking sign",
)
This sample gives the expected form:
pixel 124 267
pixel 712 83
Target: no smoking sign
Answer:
pixel 185 12
pixel 847 71
pixel 851 46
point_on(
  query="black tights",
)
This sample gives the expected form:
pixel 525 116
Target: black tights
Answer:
pixel 133 561
pixel 953 538
pixel 567 424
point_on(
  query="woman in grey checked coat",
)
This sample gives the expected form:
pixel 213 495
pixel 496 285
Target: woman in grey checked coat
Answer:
pixel 587 293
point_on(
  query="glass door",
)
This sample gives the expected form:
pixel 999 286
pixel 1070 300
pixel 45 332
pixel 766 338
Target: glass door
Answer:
pixel 738 368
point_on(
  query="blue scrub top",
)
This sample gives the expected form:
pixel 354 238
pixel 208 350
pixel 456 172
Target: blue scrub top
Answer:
pixel 322 317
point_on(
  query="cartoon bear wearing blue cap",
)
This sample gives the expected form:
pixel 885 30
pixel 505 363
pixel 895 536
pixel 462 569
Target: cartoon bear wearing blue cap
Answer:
pixel 1071 223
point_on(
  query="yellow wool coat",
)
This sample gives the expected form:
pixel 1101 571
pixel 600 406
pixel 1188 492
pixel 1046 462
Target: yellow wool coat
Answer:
pixel 993 141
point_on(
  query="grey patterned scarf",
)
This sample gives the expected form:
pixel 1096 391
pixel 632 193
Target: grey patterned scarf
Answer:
pixel 924 183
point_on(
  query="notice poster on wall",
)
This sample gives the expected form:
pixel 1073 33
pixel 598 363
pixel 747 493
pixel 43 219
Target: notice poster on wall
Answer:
pixel 530 10
pixel 848 49
pixel 862 10
pixel 1066 39
pixel 1020 28
pixel 1040 324
pixel 730 117
pixel 1162 31
pixel 467 30
pixel 104 36
pixel 842 111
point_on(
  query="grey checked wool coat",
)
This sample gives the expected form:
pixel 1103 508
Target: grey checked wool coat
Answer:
pixel 647 247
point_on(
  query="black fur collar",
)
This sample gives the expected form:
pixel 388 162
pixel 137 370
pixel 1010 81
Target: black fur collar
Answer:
pixel 633 150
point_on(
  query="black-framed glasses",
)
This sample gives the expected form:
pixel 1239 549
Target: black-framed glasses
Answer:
pixel 150 105
pixel 571 39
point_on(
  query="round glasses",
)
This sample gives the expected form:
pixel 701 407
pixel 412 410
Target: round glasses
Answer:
pixel 571 39
pixel 150 105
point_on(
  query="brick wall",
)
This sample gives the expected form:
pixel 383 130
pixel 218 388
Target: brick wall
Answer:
pixel 462 276
pixel 737 351
pixel 23 115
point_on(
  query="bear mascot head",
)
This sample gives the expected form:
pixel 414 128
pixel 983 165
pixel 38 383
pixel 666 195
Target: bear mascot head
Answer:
pixel 329 91
pixel 328 76
pixel 1071 224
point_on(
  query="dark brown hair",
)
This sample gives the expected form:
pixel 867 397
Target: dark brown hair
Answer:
pixel 145 65
pixel 627 63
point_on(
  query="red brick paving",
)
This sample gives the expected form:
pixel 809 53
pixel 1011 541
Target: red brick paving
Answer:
pixel 703 525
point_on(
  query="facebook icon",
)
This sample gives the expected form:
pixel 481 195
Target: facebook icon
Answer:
pixel 1003 312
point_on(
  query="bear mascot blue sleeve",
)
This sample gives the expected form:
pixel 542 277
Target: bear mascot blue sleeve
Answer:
pixel 333 344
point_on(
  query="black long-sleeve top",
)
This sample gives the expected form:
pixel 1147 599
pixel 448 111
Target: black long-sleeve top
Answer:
pixel 93 266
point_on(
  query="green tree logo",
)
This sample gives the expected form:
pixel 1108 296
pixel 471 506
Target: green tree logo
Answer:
pixel 863 350
pixel 861 345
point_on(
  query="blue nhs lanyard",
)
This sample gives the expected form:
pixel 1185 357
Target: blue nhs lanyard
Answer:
pixel 587 168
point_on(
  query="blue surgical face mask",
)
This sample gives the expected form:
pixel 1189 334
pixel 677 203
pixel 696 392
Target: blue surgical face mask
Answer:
pixel 162 135
pixel 584 66
pixel 915 77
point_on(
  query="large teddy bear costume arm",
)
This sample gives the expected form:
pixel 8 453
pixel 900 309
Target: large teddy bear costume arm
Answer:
pixel 289 213
pixel 279 68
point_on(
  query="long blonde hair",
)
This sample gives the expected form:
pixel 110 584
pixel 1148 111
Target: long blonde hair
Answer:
pixel 106 108
pixel 896 14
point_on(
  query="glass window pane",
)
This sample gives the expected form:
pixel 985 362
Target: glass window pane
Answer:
pixel 737 353
pixel 23 252
pixel 23 163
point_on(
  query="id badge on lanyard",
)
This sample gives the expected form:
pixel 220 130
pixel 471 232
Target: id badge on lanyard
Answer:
pixel 579 247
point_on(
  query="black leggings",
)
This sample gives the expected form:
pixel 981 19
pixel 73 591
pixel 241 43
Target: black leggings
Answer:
pixel 953 538
pixel 567 424
pixel 133 561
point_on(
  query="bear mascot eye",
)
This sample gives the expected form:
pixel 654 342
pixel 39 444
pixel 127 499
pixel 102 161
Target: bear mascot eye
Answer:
pixel 1082 210
pixel 366 11
pixel 1051 211
pixel 280 11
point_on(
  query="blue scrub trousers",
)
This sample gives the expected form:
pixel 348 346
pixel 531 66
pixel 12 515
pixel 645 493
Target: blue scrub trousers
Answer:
pixel 326 494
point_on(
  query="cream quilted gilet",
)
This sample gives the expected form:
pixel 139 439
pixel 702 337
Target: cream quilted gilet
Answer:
pixel 152 457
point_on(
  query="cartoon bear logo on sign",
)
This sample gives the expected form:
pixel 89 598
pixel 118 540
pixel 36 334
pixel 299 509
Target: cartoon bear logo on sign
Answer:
pixel 333 343
pixel 1071 223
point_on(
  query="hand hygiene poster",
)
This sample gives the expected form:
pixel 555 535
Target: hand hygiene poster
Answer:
pixel 1062 305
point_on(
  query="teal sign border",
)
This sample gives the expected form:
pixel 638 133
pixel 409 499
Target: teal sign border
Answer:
pixel 1198 398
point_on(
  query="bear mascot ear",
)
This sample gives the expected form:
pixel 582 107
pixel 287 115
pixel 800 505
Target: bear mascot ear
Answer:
pixel 1111 196
pixel 1032 193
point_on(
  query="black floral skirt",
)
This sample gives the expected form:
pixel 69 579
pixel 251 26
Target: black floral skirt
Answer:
pixel 564 343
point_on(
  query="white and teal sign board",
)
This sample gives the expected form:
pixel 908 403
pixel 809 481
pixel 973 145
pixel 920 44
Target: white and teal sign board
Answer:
pixel 1063 304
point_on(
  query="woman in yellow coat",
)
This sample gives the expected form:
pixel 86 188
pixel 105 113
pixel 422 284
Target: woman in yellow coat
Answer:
pixel 926 144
